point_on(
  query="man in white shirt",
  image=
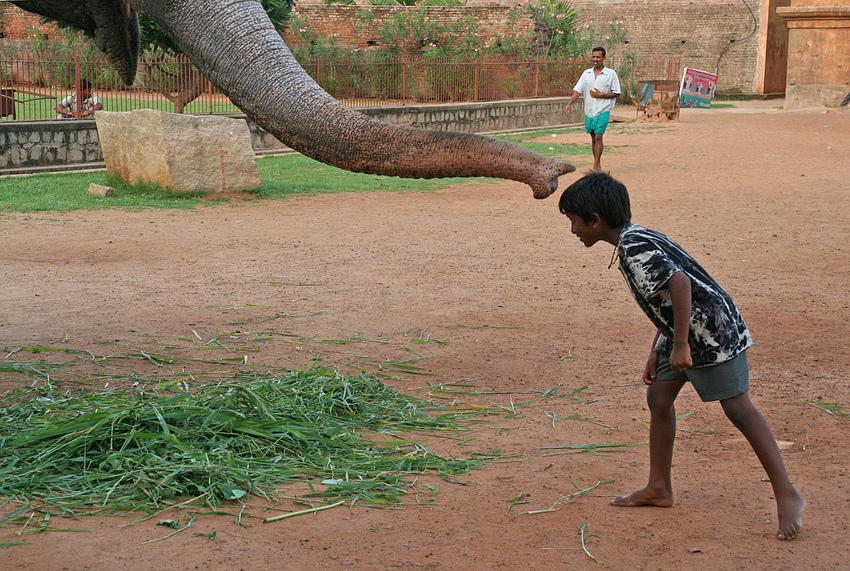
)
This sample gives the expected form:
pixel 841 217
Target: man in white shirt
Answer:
pixel 67 108
pixel 600 87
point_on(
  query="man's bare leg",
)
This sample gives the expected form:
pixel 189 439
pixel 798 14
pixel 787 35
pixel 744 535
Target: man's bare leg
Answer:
pixel 597 147
pixel 660 396
pixel 789 503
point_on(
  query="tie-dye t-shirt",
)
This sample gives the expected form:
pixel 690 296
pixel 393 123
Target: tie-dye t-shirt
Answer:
pixel 647 260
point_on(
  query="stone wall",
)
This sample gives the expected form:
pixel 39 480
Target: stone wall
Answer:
pixel 47 143
pixel 62 145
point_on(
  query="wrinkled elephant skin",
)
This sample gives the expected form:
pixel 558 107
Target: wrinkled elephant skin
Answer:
pixel 234 44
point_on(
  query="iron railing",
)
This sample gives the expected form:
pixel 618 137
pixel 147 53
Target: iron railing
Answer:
pixel 32 83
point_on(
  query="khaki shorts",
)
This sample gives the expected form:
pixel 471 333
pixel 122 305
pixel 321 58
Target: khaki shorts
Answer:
pixel 716 382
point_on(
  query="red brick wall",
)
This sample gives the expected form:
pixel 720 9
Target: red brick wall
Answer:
pixel 14 23
pixel 697 32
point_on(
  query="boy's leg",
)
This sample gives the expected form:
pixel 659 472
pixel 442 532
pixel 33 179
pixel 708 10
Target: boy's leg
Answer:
pixel 660 396
pixel 790 504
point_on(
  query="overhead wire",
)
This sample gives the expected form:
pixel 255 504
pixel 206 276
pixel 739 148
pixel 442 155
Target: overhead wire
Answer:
pixel 748 36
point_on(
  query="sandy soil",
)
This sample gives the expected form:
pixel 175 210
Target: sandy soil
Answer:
pixel 757 194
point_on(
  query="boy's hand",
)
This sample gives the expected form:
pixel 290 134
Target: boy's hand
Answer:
pixel 650 371
pixel 681 359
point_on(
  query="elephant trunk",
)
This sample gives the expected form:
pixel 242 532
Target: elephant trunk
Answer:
pixel 239 50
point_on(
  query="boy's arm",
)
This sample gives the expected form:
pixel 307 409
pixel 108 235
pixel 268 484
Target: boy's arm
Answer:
pixel 651 369
pixel 680 291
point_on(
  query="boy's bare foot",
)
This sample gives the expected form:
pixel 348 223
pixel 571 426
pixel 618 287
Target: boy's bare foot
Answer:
pixel 645 497
pixel 790 516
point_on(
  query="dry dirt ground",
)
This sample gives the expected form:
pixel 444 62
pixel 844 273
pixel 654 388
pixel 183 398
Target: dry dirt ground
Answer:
pixel 757 194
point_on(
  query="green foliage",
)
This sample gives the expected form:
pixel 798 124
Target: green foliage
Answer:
pixel 154 38
pixel 555 29
pixel 617 32
pixel 305 43
pixel 60 73
pixel 629 86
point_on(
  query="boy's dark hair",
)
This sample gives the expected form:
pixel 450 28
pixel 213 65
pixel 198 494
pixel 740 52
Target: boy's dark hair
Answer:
pixel 598 49
pixel 597 193
pixel 85 84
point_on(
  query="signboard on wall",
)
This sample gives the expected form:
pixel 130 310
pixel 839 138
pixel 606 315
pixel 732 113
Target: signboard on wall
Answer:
pixel 697 89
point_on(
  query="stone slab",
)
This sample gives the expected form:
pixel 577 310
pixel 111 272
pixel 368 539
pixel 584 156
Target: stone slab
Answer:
pixel 181 152
pixel 100 190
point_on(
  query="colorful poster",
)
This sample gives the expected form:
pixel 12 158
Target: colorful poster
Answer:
pixel 697 88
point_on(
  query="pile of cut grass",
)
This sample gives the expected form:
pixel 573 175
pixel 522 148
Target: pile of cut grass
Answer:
pixel 133 449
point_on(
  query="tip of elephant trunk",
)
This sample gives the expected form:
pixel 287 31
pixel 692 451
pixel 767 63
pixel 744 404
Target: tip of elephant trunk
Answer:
pixel 547 184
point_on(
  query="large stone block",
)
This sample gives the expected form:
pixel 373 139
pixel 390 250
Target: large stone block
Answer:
pixel 181 152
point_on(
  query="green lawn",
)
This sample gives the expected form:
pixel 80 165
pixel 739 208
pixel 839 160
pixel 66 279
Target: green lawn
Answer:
pixel 45 108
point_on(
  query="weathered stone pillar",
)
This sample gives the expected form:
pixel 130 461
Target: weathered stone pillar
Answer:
pixel 818 54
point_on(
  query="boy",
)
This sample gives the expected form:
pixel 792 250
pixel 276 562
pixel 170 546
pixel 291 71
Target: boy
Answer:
pixel 67 108
pixel 700 338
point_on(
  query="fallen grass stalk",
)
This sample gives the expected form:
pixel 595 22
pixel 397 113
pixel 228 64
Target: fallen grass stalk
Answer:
pixel 569 497
pixel 582 529
pixel 580 492
pixel 832 408
pixel 302 512
pixel 189 524
pixel 586 448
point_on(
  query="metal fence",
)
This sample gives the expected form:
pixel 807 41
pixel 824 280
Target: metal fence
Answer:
pixel 32 83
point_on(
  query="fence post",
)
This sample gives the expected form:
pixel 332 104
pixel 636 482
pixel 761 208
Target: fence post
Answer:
pixel 319 72
pixel 403 82
pixel 537 77
pixel 475 79
pixel 78 111
pixel 211 96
